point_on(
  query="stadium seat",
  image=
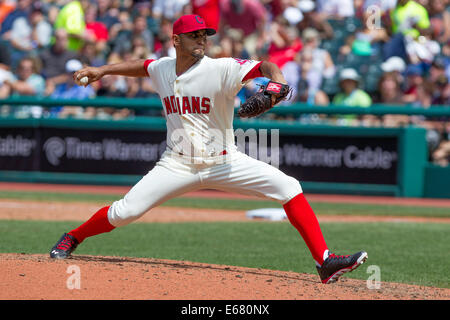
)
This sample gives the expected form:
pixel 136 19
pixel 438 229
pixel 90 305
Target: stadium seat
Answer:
pixel 340 35
pixel 375 69
pixel 371 83
pixel 332 46
pixel 352 24
pixel 336 24
pixel 364 68
pixel 331 86
pixel 354 61
pixel 371 77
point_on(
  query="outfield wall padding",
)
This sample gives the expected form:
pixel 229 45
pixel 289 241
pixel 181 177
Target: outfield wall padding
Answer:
pixel 325 159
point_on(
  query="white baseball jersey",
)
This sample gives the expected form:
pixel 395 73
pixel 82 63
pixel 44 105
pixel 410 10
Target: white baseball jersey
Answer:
pixel 199 104
pixel 199 108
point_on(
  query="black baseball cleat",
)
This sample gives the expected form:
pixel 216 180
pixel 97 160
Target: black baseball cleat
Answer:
pixel 64 247
pixel 335 266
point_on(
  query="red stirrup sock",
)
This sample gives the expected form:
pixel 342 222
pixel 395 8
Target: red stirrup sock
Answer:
pixel 97 224
pixel 302 217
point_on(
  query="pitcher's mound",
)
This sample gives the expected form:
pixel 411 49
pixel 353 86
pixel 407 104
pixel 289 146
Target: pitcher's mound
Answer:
pixel 33 277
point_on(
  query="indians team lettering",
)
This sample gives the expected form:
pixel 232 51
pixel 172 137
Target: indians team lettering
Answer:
pixel 187 105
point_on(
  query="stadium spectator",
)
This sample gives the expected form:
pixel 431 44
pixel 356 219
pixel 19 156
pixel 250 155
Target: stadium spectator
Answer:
pixel 312 97
pixel 394 64
pixel 140 49
pixel 116 86
pixel 6 7
pixel 134 88
pixel 230 45
pixel 435 126
pixel 22 9
pixel 351 96
pixel 52 10
pixel 336 9
pixel 414 38
pixel 315 63
pixel 446 22
pixel 366 41
pixel 107 15
pixel 124 41
pixel 71 19
pixel 439 20
pixel 27 83
pixel 5 74
pixel 296 74
pixel 250 16
pixel 90 55
pixel 112 86
pixel 410 18
pixel 437 70
pixel 42 30
pixel 29 34
pixel 442 91
pixel 414 79
pixel 384 6
pixel 169 9
pixel 5 56
pixel 284 42
pixel 124 23
pixel 70 90
pixel 390 93
pixel 96 31
pixel 290 12
pixel 129 88
pixel 446 57
pixel 389 88
pixel 54 60
pixel 441 156
pixel 166 48
pixel 422 50
pixel 405 23
pixel 312 19
pixel 424 91
pixel 164 44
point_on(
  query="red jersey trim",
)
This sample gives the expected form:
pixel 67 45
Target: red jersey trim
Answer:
pixel 254 73
pixel 146 63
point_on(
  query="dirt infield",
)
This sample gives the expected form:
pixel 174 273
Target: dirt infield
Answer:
pixel 54 211
pixel 35 277
pixel 121 190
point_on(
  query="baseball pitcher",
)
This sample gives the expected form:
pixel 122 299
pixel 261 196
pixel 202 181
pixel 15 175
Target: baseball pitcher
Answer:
pixel 197 95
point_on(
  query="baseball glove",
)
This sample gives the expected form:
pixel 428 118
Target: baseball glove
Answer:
pixel 262 100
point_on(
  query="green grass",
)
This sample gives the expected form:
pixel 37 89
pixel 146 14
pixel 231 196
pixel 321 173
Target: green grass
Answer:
pixel 412 253
pixel 405 252
pixel 239 204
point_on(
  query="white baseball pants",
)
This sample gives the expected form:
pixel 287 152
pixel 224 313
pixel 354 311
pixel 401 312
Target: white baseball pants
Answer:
pixel 173 176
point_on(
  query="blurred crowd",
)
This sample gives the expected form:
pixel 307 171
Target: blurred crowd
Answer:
pixel 343 52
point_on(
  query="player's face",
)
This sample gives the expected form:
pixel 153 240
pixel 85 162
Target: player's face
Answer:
pixel 194 43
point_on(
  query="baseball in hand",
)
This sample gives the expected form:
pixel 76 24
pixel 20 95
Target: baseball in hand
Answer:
pixel 84 81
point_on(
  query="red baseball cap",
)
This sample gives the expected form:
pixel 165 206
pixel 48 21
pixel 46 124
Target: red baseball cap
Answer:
pixel 190 23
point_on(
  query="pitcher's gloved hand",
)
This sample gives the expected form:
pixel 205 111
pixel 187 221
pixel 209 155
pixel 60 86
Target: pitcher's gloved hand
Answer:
pixel 266 97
